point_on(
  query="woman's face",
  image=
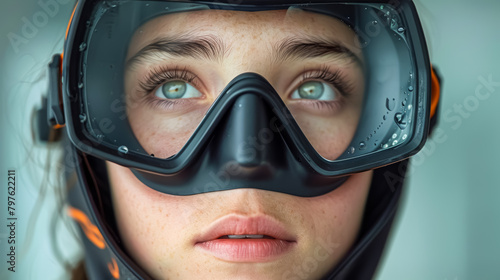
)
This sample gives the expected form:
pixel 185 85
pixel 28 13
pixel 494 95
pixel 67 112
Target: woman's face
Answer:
pixel 312 62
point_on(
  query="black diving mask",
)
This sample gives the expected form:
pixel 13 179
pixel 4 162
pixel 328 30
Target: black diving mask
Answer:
pixel 146 85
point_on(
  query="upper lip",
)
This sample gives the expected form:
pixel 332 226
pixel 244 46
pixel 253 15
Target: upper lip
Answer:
pixel 239 225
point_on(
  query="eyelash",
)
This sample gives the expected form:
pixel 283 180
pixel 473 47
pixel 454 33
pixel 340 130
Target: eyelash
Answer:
pixel 334 78
pixel 158 76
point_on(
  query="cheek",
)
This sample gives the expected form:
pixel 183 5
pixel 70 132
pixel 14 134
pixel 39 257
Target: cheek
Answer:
pixel 334 220
pixel 160 134
pixel 143 216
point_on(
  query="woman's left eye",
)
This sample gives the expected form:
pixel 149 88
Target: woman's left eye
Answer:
pixel 315 90
pixel 176 90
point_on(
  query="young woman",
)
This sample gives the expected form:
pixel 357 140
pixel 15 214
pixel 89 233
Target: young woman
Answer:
pixel 249 140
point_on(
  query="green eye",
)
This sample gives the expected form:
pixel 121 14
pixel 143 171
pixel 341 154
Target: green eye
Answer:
pixel 177 90
pixel 174 89
pixel 311 90
pixel 315 90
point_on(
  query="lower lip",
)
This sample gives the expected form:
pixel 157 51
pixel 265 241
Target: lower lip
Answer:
pixel 246 250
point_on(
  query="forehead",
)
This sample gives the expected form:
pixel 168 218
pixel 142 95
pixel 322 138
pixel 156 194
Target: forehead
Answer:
pixel 244 27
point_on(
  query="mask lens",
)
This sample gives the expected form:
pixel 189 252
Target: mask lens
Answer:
pixel 344 73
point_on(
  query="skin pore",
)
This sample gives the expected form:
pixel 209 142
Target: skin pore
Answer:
pixel 161 231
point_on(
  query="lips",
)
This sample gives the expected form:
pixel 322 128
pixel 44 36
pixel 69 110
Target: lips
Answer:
pixel 246 239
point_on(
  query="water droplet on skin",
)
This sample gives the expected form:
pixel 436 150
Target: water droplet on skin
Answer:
pixel 410 88
pixel 400 119
pixel 362 145
pixel 83 46
pixel 123 149
pixel 83 118
pixel 390 104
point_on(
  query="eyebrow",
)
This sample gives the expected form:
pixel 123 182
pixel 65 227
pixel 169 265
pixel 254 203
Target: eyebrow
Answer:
pixel 206 47
pixel 294 48
pixel 213 48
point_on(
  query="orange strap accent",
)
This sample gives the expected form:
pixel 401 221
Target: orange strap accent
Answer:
pixel 113 269
pixel 90 230
pixel 70 20
pixel 58 126
pixel 435 92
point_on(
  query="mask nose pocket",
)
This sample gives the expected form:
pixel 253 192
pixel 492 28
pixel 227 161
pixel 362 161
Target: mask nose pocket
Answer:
pixel 248 143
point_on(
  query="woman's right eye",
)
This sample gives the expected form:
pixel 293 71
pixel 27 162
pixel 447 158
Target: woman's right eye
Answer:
pixel 176 90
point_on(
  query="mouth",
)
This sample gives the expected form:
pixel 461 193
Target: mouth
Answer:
pixel 246 239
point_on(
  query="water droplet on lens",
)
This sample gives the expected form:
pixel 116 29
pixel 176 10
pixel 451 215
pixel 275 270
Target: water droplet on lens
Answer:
pixel 83 46
pixel 400 119
pixel 362 145
pixel 83 118
pixel 123 149
pixel 410 88
pixel 390 104
pixel 152 155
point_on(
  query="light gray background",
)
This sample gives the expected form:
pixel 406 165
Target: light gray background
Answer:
pixel 448 227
